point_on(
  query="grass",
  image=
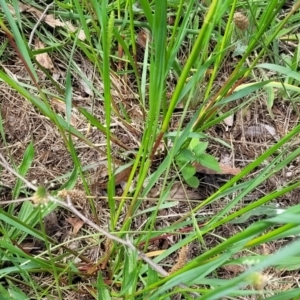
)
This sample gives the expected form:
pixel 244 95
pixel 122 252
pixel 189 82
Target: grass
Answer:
pixel 107 116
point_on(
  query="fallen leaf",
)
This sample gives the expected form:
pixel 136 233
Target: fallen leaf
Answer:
pixel 43 58
pixel 26 8
pixel 155 253
pixel 225 169
pixel 21 7
pixel 120 177
pixel 51 21
pixel 72 28
pixel 228 121
pixel 234 269
pixel 181 191
pixel 76 224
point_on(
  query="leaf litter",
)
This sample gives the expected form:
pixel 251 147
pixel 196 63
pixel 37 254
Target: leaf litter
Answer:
pixel 52 160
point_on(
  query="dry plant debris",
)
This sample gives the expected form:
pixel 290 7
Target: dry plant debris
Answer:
pixel 250 137
pixel 225 169
pixel 241 21
pixel 76 224
pixel 48 18
pixel 43 58
pixel 182 259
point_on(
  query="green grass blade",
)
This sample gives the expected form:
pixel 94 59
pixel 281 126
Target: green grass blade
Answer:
pixel 23 169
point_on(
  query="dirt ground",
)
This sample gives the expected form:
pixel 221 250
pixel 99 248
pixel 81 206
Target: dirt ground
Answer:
pixel 253 130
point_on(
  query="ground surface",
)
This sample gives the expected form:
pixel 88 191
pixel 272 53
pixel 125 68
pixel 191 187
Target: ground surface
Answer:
pixel 253 131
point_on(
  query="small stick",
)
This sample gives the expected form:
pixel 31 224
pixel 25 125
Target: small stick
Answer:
pixel 38 23
pixel 69 205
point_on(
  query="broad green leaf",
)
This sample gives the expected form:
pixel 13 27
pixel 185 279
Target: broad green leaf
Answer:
pixel 209 161
pixel 185 155
pixel 242 91
pixel 188 171
pixel 26 211
pixel 71 181
pixel 194 142
pixel 102 289
pixel 200 148
pixel 193 181
pixel 292 294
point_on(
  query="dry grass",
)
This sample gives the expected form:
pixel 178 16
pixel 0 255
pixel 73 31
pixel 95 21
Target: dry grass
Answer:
pixel 248 138
pixel 22 124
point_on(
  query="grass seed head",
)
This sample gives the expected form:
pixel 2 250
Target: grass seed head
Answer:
pixel 40 197
pixel 258 280
pixel 182 258
pixel 76 196
pixel 241 21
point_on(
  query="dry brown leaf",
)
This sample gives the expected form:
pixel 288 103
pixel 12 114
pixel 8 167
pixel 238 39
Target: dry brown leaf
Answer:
pixel 22 7
pixel 225 169
pixel 26 8
pixel 43 58
pixel 235 269
pixel 76 224
pixel 120 177
pixel 72 28
pixel 181 191
pixel 49 19
pixel 154 253
pixel 228 121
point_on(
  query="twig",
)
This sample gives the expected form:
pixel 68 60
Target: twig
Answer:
pixel 69 205
pixel 38 23
pixel 5 164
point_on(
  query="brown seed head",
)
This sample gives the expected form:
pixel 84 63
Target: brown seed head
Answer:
pixel 241 21
pixel 76 196
pixel 182 258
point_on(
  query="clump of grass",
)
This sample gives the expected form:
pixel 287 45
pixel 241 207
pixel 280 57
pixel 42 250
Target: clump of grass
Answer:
pixel 134 93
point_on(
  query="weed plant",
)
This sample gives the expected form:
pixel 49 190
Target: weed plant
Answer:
pixel 172 56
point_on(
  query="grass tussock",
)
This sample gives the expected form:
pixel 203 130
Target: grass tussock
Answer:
pixel 149 150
